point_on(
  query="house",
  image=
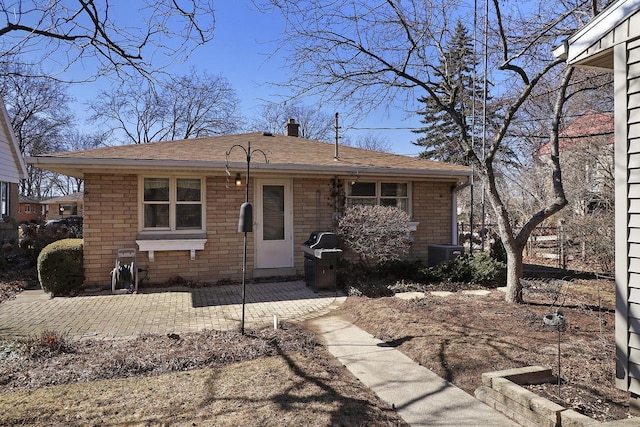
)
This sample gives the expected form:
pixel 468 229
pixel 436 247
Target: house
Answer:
pixel 64 206
pixel 611 41
pixel 178 204
pixel 12 170
pixel 586 156
pixel 31 210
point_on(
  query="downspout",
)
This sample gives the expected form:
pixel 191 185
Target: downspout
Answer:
pixel 454 209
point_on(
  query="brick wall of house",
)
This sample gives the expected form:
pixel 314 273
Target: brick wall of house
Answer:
pixel 432 207
pixel 311 212
pixel 111 223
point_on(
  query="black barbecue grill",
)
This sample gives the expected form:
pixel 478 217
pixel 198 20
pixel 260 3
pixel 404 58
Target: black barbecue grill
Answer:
pixel 321 257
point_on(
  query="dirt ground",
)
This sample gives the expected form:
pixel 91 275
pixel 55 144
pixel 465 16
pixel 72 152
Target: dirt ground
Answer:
pixel 460 336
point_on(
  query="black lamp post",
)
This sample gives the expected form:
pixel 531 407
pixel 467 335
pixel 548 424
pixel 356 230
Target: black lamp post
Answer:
pixel 61 212
pixel 245 221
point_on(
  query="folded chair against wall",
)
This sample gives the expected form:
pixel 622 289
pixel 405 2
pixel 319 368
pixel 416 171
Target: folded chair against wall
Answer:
pixel 125 276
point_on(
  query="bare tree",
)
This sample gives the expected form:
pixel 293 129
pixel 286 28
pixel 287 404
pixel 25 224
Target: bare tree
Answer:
pixel 372 54
pixel 314 123
pixel 57 34
pixel 370 141
pixel 181 107
pixel 75 140
pixel 40 116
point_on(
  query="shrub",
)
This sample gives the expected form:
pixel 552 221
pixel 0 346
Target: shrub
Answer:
pixel 379 280
pixel 497 251
pixel 479 269
pixel 60 267
pixel 35 237
pixel 376 234
pixel 487 271
pixel 48 343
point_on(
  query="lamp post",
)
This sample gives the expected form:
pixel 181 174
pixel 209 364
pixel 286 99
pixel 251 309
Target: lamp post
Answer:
pixel 61 212
pixel 245 222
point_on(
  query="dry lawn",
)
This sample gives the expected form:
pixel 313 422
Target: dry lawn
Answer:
pixel 266 378
pixel 270 391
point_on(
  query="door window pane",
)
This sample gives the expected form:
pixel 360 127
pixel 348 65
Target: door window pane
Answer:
pixel 273 212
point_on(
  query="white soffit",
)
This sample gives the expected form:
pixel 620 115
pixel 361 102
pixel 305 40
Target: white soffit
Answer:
pixel 603 23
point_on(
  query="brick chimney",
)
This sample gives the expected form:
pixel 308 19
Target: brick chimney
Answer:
pixel 293 128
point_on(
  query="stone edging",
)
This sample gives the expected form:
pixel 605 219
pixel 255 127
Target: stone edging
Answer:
pixel 502 391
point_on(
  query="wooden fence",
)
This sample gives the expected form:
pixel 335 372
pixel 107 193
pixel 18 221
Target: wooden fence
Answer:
pixel 545 242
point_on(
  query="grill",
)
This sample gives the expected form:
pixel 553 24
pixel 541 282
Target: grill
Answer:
pixel 321 257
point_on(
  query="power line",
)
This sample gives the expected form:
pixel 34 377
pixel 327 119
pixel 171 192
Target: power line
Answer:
pixel 385 128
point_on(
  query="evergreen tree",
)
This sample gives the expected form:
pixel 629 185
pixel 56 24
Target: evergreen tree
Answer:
pixel 454 77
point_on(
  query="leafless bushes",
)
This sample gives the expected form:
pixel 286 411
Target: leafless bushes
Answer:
pixel 376 234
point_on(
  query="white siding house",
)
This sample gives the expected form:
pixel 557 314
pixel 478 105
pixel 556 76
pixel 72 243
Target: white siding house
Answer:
pixel 12 167
pixel 611 41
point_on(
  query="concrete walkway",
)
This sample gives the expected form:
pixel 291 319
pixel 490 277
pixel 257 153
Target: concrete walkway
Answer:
pixel 421 397
pixel 163 311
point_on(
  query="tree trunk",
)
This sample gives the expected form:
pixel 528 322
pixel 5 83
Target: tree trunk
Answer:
pixel 514 273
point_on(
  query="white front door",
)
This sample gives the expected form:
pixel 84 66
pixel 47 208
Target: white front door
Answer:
pixel 274 224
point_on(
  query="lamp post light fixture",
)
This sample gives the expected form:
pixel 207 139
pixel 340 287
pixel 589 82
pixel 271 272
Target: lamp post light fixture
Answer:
pixel 61 212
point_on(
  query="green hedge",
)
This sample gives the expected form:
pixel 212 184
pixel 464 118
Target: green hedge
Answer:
pixel 61 267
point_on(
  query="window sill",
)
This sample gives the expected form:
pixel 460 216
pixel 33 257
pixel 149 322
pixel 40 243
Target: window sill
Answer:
pixel 154 244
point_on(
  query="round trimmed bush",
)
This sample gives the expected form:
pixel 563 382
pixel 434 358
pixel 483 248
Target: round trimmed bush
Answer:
pixel 61 267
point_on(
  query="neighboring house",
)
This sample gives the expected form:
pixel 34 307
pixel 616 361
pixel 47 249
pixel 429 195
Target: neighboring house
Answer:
pixel 586 156
pixel 64 206
pixel 31 210
pixel 611 41
pixel 12 170
pixel 178 204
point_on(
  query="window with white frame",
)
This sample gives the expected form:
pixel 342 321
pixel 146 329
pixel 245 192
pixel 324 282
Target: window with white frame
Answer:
pixel 4 199
pixel 379 193
pixel 172 204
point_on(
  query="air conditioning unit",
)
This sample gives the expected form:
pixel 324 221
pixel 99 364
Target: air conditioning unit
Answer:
pixel 441 253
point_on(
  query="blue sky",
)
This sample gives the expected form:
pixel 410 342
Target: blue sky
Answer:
pixel 240 52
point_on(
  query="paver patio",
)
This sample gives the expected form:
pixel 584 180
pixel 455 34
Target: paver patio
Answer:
pixel 163 311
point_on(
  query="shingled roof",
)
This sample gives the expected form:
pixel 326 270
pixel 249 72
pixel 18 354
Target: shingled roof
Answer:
pixel 591 124
pixel 286 153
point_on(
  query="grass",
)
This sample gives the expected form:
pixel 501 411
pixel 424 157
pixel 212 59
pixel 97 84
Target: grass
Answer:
pixel 264 378
pixel 271 391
